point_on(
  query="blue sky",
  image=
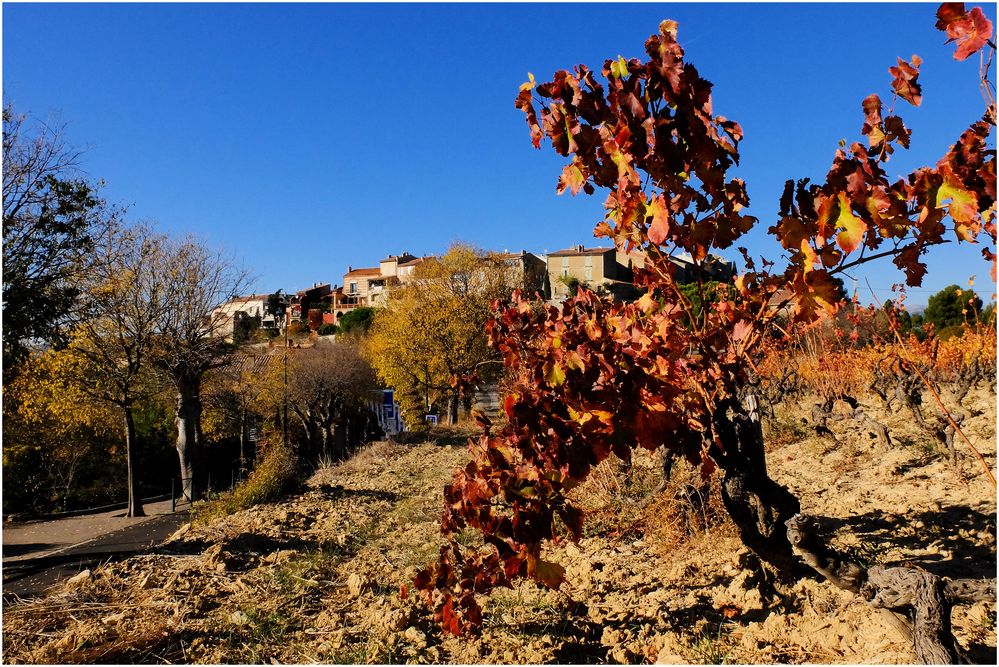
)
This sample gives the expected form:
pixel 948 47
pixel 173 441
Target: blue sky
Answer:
pixel 306 138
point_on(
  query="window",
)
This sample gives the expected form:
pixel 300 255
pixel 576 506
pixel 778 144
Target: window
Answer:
pixel 353 288
pixel 588 272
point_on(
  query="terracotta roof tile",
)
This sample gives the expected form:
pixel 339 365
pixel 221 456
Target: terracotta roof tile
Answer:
pixel 576 252
pixel 360 273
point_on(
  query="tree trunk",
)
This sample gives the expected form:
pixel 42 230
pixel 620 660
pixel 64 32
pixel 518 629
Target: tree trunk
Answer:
pixel 316 444
pixel 134 499
pixel 188 421
pixel 340 446
pixel 327 450
pixel 242 441
pixel 759 506
pixel 452 408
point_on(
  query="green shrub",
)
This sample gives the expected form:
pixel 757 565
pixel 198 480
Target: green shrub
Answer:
pixel 951 331
pixel 356 321
pixel 327 330
pixel 264 335
pixel 276 475
pixel 952 306
pixel 572 283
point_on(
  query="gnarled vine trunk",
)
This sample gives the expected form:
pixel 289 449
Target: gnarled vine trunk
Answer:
pixel 893 589
pixel 759 506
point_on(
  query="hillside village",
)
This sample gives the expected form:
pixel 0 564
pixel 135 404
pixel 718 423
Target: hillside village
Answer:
pixel 552 276
pixel 596 455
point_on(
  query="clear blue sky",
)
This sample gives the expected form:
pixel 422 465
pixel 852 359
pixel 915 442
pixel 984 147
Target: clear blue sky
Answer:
pixel 306 138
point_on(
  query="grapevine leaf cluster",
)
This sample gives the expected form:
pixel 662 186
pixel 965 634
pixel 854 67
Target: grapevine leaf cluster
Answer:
pixel 594 378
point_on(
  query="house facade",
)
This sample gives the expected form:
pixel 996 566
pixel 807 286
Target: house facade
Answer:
pixel 251 306
pixel 594 266
pixel 528 271
pixel 368 286
pixel 613 270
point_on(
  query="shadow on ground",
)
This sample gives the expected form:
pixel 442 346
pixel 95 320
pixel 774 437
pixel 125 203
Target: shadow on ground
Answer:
pixel 10 550
pixel 956 526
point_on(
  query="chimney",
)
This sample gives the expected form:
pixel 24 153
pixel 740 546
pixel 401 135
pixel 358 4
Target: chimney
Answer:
pixel 580 247
pixel 349 269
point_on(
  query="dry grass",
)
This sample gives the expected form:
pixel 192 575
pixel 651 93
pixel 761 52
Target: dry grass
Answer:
pixel 633 502
pixel 275 476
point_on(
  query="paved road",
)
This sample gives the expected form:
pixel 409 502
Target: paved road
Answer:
pixel 37 555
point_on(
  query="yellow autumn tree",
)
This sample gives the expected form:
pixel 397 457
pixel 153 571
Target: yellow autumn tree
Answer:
pixel 432 328
pixel 117 326
pixel 52 430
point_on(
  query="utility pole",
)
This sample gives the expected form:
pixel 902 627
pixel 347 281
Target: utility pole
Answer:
pixel 280 307
pixel 284 420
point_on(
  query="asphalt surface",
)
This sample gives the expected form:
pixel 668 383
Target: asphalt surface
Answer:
pixel 36 556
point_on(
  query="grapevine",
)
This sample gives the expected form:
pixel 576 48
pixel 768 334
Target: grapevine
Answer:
pixel 595 378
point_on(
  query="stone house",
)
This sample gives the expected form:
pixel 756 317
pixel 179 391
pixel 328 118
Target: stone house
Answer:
pixel 251 306
pixel 613 270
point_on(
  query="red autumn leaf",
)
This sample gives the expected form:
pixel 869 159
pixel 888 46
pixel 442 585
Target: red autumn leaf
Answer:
pixel 904 80
pixel 423 578
pixel 872 128
pixel 971 30
pixel 508 404
pixel 659 228
pixel 791 231
pixel 730 610
pixel 895 130
pixel 473 613
pixel 572 178
pixel 990 257
pixel 513 566
pixel 525 103
pixel 948 12
pixel 816 293
pixel 573 518
pixel 852 228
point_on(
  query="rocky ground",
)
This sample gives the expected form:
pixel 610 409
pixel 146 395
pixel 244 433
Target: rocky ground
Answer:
pixel 659 577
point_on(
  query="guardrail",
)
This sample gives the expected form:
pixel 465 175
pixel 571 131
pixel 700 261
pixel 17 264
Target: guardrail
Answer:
pixel 174 498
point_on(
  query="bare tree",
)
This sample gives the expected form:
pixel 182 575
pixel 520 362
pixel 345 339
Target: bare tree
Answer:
pixel 190 340
pixel 328 390
pixel 116 327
